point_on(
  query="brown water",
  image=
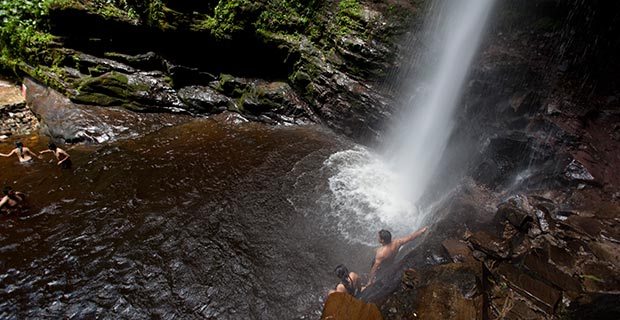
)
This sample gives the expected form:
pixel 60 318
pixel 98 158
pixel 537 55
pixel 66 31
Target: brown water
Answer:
pixel 200 220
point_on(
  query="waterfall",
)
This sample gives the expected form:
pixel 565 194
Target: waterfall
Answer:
pixel 422 131
pixel 382 191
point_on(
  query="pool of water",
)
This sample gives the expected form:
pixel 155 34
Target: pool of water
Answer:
pixel 206 219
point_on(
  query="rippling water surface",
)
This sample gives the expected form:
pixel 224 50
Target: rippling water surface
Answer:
pixel 201 220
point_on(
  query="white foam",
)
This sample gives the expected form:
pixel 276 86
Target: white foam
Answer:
pixel 367 196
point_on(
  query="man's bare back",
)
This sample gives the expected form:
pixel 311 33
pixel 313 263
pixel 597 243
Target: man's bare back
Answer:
pixel 389 248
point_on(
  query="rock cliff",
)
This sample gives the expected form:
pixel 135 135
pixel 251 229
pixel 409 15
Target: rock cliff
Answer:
pixel 532 234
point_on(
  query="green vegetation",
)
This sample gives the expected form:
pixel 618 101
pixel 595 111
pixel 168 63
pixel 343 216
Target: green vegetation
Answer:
pixel 348 17
pixel 25 37
pixel 228 18
pixel 292 17
pixel 23 32
pixel 592 277
pixel 306 27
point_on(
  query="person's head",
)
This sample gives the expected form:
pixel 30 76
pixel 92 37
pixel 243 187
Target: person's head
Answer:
pixel 341 271
pixel 7 190
pixel 19 146
pixel 385 237
pixel 51 146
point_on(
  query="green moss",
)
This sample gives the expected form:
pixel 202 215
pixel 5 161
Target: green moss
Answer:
pixel 45 75
pixel 309 91
pixel 98 70
pixel 229 17
pixel 238 92
pixel 96 98
pixel 349 13
pixel 592 277
pixel 109 89
pixel 112 84
pixel 231 86
pixel 169 81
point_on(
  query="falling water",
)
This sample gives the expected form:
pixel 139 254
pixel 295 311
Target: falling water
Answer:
pixel 419 138
pixel 422 133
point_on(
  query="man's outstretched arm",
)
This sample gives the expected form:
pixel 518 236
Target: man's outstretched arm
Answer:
pixel 402 241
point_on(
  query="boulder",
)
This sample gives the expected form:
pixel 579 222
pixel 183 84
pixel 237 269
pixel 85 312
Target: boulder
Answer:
pixel 449 291
pixel 543 295
pixel 490 245
pixel 342 306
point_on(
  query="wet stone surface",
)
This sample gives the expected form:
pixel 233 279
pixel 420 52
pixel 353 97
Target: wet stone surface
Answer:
pixel 527 272
pixel 16 118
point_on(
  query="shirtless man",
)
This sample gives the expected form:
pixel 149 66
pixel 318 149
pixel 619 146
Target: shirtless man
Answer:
pixel 61 155
pixel 23 153
pixel 388 250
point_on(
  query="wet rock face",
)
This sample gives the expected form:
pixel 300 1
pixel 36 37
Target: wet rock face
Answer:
pixel 450 291
pixel 554 267
pixel 558 262
pixel 536 118
pixel 548 151
pixel 90 124
pixel 117 84
pixel 336 78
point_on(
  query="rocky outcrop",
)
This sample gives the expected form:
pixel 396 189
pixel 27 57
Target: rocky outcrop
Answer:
pixel 15 116
pixel 179 61
pixel 67 122
pixel 342 306
pixel 449 291
pixel 543 263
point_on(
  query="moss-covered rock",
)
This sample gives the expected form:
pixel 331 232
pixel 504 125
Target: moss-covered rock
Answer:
pixel 137 92
pixel 110 89
pixel 330 54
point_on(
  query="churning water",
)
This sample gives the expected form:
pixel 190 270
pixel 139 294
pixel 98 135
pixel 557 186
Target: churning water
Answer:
pixel 384 190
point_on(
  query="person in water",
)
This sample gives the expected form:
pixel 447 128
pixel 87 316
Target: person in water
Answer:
pixel 12 199
pixel 23 153
pixel 388 250
pixel 61 155
pixel 349 281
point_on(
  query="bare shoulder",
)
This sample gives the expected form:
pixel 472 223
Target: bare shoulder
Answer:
pixel 340 288
pixel 396 243
pixel 383 252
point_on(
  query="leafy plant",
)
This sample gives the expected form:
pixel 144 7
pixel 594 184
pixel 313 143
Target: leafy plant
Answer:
pixel 348 16
pixel 228 17
pixel 23 33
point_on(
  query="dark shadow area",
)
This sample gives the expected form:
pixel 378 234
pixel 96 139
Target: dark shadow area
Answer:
pixel 245 56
